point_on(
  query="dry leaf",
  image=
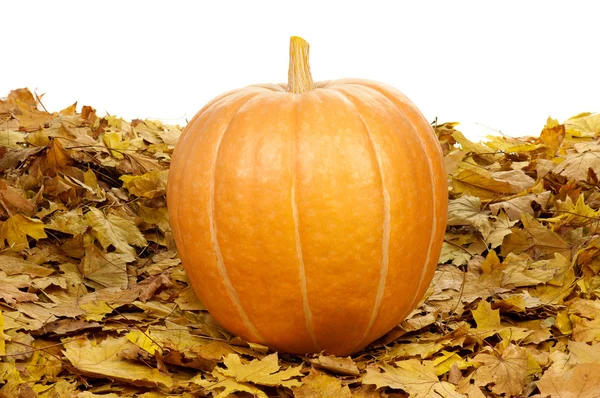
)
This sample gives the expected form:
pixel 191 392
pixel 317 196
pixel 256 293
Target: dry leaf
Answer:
pixel 264 371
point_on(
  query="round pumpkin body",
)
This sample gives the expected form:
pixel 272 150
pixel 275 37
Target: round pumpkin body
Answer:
pixel 309 221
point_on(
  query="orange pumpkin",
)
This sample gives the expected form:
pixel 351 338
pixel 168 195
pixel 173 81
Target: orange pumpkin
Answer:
pixel 309 216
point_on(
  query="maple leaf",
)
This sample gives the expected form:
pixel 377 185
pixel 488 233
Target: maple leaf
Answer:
pixel 552 136
pixel 487 319
pixel 70 222
pixel 260 371
pixel 501 226
pixel 580 352
pixel 447 360
pixel 480 183
pixel 522 271
pixel 17 266
pixel 416 378
pixel 115 230
pixel 105 269
pixel 319 385
pixel 577 163
pixel 466 210
pixel 506 372
pixel 96 311
pixel 519 205
pixel 30 118
pixel 585 319
pixel 229 387
pixel 149 185
pixel 16 229
pixel 143 340
pixel 576 214
pixel 582 381
pixel 102 360
pixel 536 239
pixel 584 125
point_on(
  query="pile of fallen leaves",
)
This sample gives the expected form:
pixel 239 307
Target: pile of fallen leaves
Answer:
pixel 94 300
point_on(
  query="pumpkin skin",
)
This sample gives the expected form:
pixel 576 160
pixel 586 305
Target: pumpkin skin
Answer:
pixel 309 221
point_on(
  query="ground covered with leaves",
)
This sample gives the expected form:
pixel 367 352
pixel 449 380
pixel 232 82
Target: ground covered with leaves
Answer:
pixel 95 302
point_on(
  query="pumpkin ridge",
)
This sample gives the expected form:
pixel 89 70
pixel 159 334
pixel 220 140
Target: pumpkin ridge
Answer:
pixel 386 227
pixel 215 241
pixel 303 283
pixel 173 200
pixel 306 306
pixel 433 190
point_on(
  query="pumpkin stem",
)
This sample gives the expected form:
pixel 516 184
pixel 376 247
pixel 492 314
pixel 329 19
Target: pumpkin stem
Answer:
pixel 299 77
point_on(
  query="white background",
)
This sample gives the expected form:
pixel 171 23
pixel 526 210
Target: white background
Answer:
pixel 502 66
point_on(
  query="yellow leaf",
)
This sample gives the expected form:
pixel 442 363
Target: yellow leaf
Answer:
pixel 563 323
pixel 114 230
pixel 416 378
pixel 113 141
pixel 507 372
pixel 260 371
pixel 444 362
pixel 510 144
pixel 2 336
pixel 30 118
pixel 149 185
pixel 70 222
pixel 490 262
pixel 102 360
pixel 584 125
pixel 552 136
pixel 520 270
pixel 96 310
pixel 575 214
pixel 466 210
pixel 70 110
pixel 229 386
pixel 580 352
pixel 11 139
pixel 515 207
pixel 582 381
pixel 486 318
pixel 480 183
pixel 319 385
pixel 577 163
pixel 143 341
pixel 535 239
pixel 16 229
pixel 105 269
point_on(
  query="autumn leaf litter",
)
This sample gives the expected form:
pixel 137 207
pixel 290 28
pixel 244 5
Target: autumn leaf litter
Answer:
pixel 94 300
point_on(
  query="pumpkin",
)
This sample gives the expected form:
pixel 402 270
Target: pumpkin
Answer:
pixel 309 216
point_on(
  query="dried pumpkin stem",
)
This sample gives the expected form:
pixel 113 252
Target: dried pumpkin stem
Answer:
pixel 299 77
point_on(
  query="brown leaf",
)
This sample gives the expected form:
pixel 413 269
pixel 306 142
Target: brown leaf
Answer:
pixel 342 366
pixel 582 381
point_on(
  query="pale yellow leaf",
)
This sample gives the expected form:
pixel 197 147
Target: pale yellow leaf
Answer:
pixel 260 371
pixel 504 373
pixel 114 230
pixel 319 385
pixel 102 360
pixel 416 378
pixel 582 381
